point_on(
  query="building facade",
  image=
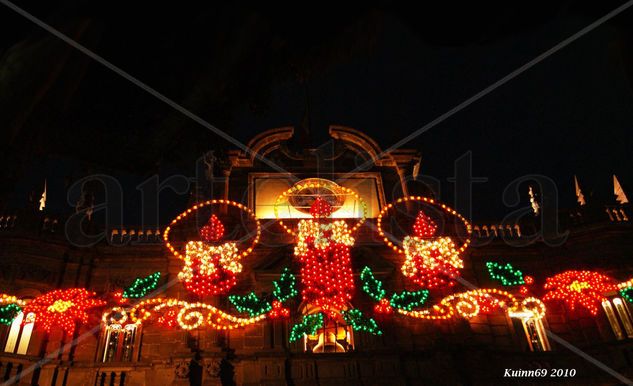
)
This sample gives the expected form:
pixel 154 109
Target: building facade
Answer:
pixel 485 348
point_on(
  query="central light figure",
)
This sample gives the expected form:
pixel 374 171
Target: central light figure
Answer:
pixel 323 249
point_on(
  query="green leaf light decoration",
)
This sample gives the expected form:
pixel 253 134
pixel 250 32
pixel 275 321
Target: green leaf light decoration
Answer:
pixel 627 294
pixel 371 285
pixel 250 303
pixel 8 313
pixel 409 300
pixel 142 286
pixel 506 274
pixel 308 326
pixel 360 322
pixel 284 288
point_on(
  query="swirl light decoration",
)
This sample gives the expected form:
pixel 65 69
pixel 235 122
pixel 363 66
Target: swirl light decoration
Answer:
pixel 10 299
pixel 190 315
pixel 468 304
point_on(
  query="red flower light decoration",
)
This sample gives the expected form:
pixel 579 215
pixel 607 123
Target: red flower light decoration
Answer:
pixel 63 308
pixel 584 288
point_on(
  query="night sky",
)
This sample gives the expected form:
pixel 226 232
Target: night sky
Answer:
pixel 384 71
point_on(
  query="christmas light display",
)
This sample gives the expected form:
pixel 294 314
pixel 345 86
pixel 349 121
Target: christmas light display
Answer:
pixel 316 185
pixel 383 307
pixel 424 226
pixel 320 208
pixel 169 318
pixel 408 300
pixel 323 249
pixel 627 294
pixel 209 269
pixel 284 288
pixel 8 313
pixel 250 303
pixel 430 261
pixel 488 304
pixel 63 308
pixel 10 299
pixel 189 315
pixel 173 312
pixel 469 304
pixel 115 315
pixel 431 264
pixel 201 205
pixel 427 201
pixel 506 274
pixel 142 286
pixel 360 322
pixel 278 311
pixel 213 231
pixel 584 288
pixel 8 305
pixel 309 325
pixel 371 285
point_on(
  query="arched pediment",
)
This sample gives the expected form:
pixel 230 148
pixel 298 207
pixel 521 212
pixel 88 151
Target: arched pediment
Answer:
pixel 268 141
pixel 359 141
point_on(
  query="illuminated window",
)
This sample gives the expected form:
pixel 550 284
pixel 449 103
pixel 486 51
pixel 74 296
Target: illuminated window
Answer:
pixel 533 329
pixel 119 343
pixel 265 188
pixel 20 334
pixel 335 336
pixel 619 319
pixel 119 337
pixel 535 333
